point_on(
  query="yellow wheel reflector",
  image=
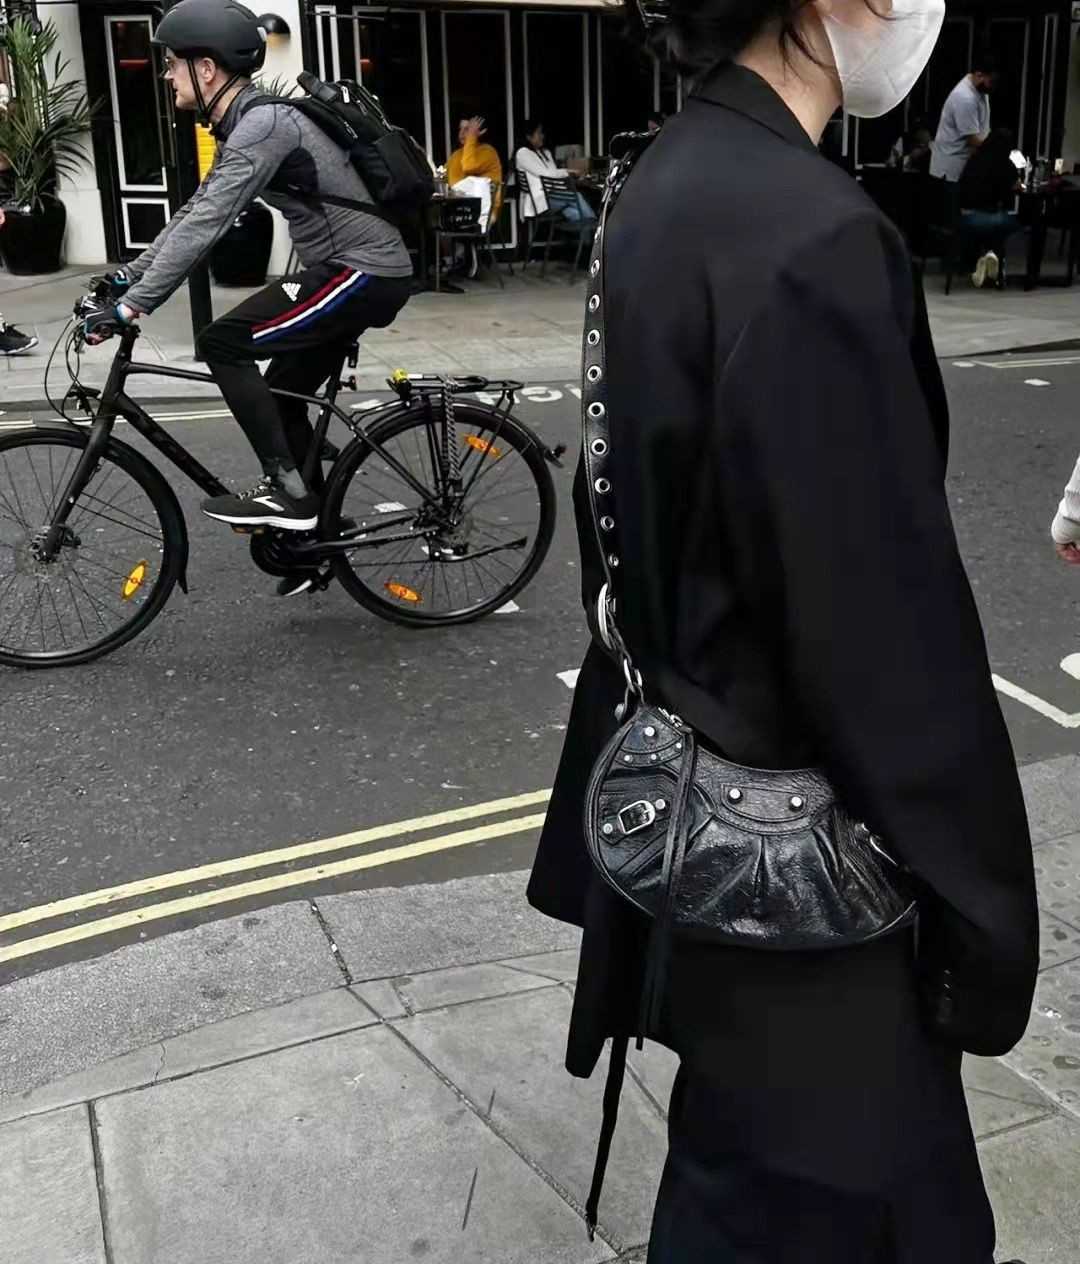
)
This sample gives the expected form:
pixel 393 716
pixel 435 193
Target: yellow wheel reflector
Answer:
pixel 404 594
pixel 135 580
pixel 484 446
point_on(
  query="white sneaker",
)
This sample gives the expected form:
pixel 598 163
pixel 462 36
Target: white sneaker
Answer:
pixel 986 270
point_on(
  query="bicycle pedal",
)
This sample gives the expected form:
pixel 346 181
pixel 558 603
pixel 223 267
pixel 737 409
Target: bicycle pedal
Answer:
pixel 247 530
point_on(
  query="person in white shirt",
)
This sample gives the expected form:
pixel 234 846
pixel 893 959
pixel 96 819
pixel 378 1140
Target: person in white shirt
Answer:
pixel 965 120
pixel 1066 526
pixel 533 160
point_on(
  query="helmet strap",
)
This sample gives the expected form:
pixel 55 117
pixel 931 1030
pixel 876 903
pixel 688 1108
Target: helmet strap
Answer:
pixel 205 109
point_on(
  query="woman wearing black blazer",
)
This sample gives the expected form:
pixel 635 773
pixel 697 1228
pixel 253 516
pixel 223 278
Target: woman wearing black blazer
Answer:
pixel 791 586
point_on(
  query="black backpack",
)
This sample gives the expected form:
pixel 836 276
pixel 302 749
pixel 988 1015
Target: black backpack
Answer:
pixel 394 168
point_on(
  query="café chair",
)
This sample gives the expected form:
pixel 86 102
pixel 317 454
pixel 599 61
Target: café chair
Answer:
pixel 458 220
pixel 562 195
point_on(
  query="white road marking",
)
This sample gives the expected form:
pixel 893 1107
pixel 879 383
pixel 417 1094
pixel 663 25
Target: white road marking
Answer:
pixel 389 506
pixel 511 607
pixel 1071 664
pixel 1036 381
pixel 963 364
pixel 1028 364
pixel 569 678
pixel 1046 709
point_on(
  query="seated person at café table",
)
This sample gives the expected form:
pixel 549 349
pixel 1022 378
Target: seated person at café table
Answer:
pixel 987 193
pixel 534 161
pixel 473 170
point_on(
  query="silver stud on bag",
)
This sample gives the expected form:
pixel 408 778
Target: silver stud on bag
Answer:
pixel 599 447
pixel 661 805
pixel 597 411
pixel 613 561
pixel 593 338
pixel 796 803
pixel 607 523
pixel 734 795
pixel 594 303
pixel 654 757
pixel 628 759
pixel 595 267
pixel 602 486
pixel 594 374
pixel 609 828
pixel 650 731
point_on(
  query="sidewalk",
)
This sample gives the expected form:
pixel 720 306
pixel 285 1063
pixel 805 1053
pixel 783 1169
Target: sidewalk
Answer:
pixel 531 330
pixel 378 1077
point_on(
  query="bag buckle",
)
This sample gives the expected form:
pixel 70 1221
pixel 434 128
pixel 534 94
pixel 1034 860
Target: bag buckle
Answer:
pixel 636 816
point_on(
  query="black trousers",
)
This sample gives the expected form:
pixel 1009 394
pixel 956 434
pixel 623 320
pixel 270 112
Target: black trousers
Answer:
pixel 813 1120
pixel 302 324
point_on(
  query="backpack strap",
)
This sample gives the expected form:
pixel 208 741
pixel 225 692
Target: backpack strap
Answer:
pixel 324 119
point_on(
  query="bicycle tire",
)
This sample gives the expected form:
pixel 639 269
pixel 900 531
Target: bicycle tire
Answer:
pixel 513 433
pixel 174 547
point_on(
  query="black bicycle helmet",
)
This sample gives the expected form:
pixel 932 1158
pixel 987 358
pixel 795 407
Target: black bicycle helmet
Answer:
pixel 221 29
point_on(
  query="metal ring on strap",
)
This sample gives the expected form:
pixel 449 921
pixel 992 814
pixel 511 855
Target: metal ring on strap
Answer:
pixel 602 624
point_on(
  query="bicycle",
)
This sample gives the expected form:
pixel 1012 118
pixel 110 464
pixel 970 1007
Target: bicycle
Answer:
pixel 437 512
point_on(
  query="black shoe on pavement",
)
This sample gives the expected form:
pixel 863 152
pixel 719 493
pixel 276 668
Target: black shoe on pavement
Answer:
pixel 267 504
pixel 13 342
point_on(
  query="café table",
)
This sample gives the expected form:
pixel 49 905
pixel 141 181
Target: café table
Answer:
pixel 1055 204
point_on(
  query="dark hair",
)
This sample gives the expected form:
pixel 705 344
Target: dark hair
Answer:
pixel 699 34
pixel 986 63
pixel 527 129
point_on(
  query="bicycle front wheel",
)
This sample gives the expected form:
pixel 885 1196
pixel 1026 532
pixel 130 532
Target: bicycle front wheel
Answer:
pixel 113 567
pixel 467 545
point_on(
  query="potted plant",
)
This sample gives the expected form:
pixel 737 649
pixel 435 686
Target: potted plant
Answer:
pixel 242 255
pixel 41 136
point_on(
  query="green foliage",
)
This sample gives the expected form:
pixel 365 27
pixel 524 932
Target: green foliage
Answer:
pixel 47 117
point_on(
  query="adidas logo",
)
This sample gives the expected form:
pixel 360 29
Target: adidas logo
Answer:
pixel 291 288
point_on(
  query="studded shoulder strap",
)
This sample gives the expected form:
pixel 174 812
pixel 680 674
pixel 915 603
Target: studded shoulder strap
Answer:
pixel 595 418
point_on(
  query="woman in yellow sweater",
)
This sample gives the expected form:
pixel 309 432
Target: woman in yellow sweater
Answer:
pixel 476 161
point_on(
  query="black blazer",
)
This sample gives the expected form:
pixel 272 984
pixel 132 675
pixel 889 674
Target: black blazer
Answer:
pixel 790 580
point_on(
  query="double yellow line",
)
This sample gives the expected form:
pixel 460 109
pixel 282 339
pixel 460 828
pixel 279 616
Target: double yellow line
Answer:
pixel 77 904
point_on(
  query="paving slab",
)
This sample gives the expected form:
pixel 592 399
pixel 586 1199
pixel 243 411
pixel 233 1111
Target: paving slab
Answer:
pixel 49 1211
pixel 1057 869
pixel 506 1056
pixel 390 931
pixel 1049 1055
pixel 999 1098
pixel 1033 1174
pixel 245 1036
pixel 344 1150
pixel 437 989
pixel 655 1068
pixel 75 1016
pixel 1052 791
pixel 379 996
pixel 560 966
pixel 1059 941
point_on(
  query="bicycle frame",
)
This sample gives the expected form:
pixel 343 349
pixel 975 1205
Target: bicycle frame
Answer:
pixel 115 403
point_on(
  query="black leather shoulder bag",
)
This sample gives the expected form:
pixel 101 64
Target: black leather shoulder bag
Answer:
pixel 704 847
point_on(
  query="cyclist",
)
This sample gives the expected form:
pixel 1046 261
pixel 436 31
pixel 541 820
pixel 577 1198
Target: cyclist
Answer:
pixel 356 270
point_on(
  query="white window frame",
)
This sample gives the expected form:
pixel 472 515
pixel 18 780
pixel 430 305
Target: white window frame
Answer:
pixel 127 203
pixel 333 70
pixel 114 102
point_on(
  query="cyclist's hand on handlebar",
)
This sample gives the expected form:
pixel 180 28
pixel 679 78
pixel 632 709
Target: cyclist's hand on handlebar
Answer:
pixel 99 323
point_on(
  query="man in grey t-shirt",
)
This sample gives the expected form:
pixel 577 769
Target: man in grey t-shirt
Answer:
pixel 356 271
pixel 965 121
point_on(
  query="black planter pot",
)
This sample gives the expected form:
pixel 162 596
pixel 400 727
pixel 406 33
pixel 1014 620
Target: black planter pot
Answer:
pixel 33 241
pixel 242 256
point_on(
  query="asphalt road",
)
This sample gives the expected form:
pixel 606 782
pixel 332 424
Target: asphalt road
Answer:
pixel 242 723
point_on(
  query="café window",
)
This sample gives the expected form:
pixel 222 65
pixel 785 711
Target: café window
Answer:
pixel 476 77
pixel 556 48
pixel 627 83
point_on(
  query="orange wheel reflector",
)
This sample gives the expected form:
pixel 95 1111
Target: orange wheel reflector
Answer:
pixel 484 446
pixel 135 580
pixel 402 593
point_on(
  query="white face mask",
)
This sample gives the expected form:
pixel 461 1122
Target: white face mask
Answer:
pixel 879 62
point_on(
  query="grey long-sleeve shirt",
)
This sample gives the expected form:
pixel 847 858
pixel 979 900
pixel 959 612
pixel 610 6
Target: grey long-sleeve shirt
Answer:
pixel 254 145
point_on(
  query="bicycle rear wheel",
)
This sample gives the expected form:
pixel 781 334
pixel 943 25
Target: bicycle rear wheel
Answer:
pixel 461 555
pixel 120 553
